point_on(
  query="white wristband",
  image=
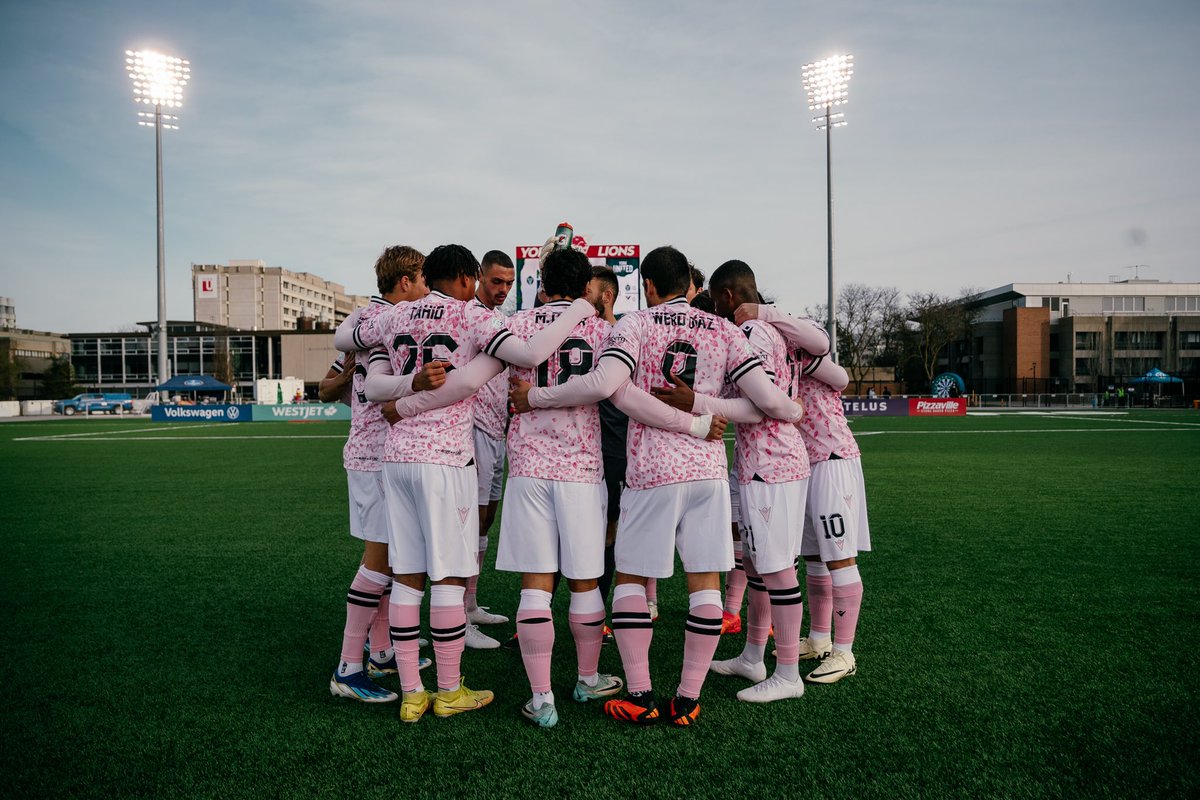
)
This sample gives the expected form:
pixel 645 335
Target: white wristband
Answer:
pixel 701 426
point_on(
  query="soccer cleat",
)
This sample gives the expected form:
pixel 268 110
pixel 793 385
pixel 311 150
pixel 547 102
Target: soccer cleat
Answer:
pixel 606 636
pixel 481 616
pixel 840 664
pixel 683 710
pixel 359 687
pixel 811 648
pixel 636 707
pixel 730 623
pixel 413 705
pixel 478 640
pixel 773 688
pixel 546 716
pixel 607 686
pixel 447 704
pixel 512 643
pixel 741 667
pixel 652 605
pixel 377 669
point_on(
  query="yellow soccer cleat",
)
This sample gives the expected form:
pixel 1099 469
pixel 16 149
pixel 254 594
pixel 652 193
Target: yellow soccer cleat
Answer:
pixel 413 705
pixel 447 704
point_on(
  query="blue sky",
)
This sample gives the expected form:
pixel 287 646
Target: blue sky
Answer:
pixel 989 142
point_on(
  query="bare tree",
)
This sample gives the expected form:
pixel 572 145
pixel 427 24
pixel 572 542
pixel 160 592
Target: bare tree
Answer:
pixel 222 364
pixel 870 320
pixel 938 321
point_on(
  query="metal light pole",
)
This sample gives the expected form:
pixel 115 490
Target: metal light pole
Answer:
pixel 825 83
pixel 158 80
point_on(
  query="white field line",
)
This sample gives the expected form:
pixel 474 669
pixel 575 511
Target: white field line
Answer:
pixel 107 434
pixel 1143 422
pixel 341 437
pixel 1030 430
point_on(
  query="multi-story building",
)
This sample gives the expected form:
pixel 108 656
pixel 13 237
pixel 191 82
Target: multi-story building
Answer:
pixel 126 361
pixel 1079 337
pixel 24 358
pixel 8 314
pixel 254 297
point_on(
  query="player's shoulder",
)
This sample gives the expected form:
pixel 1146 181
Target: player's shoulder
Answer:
pixel 758 331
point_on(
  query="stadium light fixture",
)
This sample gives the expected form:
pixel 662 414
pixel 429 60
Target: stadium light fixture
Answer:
pixel 826 83
pixel 158 80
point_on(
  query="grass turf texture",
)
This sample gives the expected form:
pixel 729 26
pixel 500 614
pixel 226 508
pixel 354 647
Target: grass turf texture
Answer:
pixel 174 608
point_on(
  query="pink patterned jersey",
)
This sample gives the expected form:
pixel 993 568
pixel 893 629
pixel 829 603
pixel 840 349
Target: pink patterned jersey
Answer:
pixel 436 327
pixel 368 428
pixel 491 401
pixel 703 350
pixel 557 444
pixel 823 427
pixel 771 450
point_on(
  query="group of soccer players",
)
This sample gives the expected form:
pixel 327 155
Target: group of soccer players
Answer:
pixel 443 386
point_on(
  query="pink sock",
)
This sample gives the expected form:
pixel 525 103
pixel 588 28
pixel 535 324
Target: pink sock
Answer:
pixel 362 603
pixel 586 617
pixel 405 617
pixel 820 600
pixel 847 600
pixel 758 615
pixel 633 631
pixel 448 629
pixel 535 634
pixel 380 637
pixel 701 635
pixel 652 590
pixel 735 583
pixel 787 613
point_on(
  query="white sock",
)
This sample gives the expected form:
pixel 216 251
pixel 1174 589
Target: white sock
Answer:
pixel 754 653
pixel 346 668
pixel 542 697
pixel 383 656
pixel 590 680
pixel 790 672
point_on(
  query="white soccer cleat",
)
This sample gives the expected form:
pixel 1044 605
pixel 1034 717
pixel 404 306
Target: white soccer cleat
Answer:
pixel 773 688
pixel 741 667
pixel 652 607
pixel 478 640
pixel 840 664
pixel 481 616
pixel 814 648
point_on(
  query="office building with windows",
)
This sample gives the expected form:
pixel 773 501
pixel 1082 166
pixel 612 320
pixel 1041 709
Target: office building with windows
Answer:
pixel 252 296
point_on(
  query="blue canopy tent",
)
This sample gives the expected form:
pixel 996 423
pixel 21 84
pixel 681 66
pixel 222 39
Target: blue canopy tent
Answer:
pixel 193 384
pixel 1156 375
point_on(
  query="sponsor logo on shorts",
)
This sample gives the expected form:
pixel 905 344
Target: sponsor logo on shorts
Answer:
pixel 765 513
pixel 462 515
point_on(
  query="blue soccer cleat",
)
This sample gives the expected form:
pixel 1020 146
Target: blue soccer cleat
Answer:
pixel 359 687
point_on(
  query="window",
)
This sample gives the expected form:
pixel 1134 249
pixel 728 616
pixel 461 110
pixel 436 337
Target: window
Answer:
pixel 1125 304
pixel 1052 303
pixel 1138 340
pixel 1183 303
pixel 1087 340
pixel 1133 366
pixel 1084 366
pixel 1189 340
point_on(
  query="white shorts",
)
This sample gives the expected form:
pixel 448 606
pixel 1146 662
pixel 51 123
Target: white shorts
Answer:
pixel 692 516
pixel 489 465
pixel 368 510
pixel 432 519
pixel 836 524
pixel 772 523
pixel 553 526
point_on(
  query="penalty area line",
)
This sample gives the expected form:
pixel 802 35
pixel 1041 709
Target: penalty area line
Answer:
pixel 109 434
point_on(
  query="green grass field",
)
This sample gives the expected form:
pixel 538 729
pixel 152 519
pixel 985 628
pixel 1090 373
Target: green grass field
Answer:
pixel 173 600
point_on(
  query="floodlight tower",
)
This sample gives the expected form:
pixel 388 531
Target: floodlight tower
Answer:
pixel 158 81
pixel 825 83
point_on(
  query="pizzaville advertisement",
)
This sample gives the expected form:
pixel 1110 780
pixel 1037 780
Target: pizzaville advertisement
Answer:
pixel 906 407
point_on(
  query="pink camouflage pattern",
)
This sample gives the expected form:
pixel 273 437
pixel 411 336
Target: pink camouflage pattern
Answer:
pixel 823 428
pixel 674 337
pixel 771 450
pixel 437 327
pixel 491 401
pixel 557 444
pixel 368 428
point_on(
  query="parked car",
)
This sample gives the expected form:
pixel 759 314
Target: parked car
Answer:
pixel 114 403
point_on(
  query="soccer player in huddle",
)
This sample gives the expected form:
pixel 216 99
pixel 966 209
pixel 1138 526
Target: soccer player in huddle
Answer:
pixel 430 480
pixel 496 277
pixel 772 472
pixel 676 496
pixel 835 528
pixel 399 277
